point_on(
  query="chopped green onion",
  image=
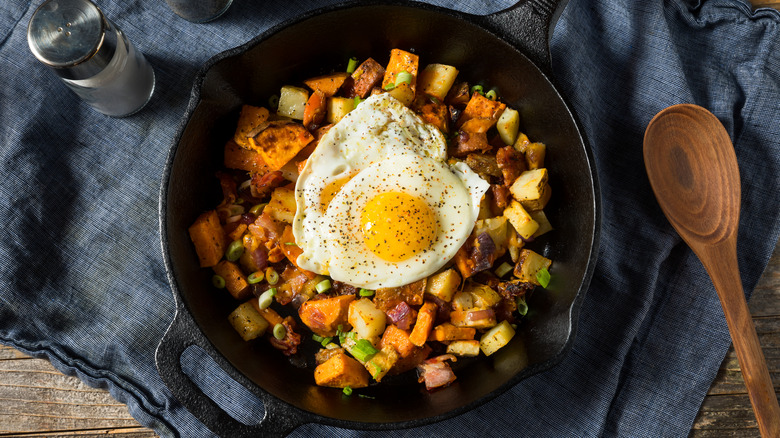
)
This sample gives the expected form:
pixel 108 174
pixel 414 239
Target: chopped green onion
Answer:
pixel 257 209
pixel 477 89
pixel 352 65
pixel 218 281
pixel 522 307
pixel 255 277
pixel 290 243
pixel 339 332
pixel 323 286
pixel 366 292
pixel 347 391
pixel 325 342
pixel 357 101
pixel 239 201
pixel 234 250
pixel 503 269
pixel 366 396
pixel 331 346
pixel 389 86
pixel 403 77
pixel 492 94
pixel 543 275
pixel 363 350
pixel 317 338
pixel 266 298
pixel 434 100
pixel 279 331
pixel 273 102
pixel 272 276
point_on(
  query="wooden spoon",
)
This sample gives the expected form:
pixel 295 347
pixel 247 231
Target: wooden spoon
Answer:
pixel 692 168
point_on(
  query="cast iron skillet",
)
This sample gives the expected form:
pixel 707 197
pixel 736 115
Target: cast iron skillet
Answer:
pixel 483 48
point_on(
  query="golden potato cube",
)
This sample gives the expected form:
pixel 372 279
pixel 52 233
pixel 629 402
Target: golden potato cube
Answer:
pixel 521 143
pixel 464 348
pixel 508 125
pixel 529 264
pixel 292 102
pixel 482 295
pixel 404 93
pixel 248 322
pixel 534 155
pixel 381 363
pixel 437 79
pixel 496 337
pixel 529 185
pixel 368 321
pixel 282 205
pixel 443 285
pixel 544 224
pixel 520 220
pixel 338 107
pixel 462 301
pixel 498 230
pixel 538 204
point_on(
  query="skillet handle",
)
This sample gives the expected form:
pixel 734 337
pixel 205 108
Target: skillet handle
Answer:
pixel 280 418
pixel 528 26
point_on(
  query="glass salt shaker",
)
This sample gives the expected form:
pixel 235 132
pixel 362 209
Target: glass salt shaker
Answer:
pixel 199 11
pixel 91 55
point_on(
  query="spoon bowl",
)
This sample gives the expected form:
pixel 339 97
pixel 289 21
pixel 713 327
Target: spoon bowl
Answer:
pixel 692 167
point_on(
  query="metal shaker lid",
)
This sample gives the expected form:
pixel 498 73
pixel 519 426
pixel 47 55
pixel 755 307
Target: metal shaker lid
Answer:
pixel 73 37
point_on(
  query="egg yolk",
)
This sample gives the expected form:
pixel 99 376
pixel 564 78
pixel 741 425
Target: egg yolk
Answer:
pixel 396 226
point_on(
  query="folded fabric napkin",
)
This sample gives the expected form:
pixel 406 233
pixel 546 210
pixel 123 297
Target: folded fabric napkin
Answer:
pixel 82 280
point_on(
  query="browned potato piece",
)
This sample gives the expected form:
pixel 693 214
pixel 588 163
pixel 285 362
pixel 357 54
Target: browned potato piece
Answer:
pixel 237 157
pixel 534 155
pixel 327 84
pixel 209 238
pixel 341 371
pixel 324 316
pixel 279 141
pixel 250 118
pixel 480 107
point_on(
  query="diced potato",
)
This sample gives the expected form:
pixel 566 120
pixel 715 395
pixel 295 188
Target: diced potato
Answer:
pixel 495 338
pixel 482 295
pixel 338 107
pixel 279 141
pixel 437 79
pixel 401 60
pixel 443 285
pixel 237 157
pixel 539 203
pixel 447 332
pixel 422 328
pixel 522 142
pixel 235 280
pixel 541 219
pixel 324 316
pixel 368 321
pixel 248 322
pixel 404 93
pixel 327 84
pixel 520 220
pixel 250 118
pixel 208 237
pixel 341 371
pixel 478 318
pixel 464 348
pixel 534 155
pixel 508 125
pixel 380 363
pixel 498 230
pixel 529 185
pixel 529 264
pixel 462 301
pixel 292 102
pixel 515 244
pixel 397 339
pixel 282 205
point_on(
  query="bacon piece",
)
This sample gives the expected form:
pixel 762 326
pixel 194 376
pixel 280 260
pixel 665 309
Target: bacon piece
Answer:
pixel 511 162
pixel 264 184
pixel 289 344
pixel 435 372
pixel 501 195
pixel 402 315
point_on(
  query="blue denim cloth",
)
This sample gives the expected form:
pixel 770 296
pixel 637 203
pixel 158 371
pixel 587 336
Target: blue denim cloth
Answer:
pixel 82 281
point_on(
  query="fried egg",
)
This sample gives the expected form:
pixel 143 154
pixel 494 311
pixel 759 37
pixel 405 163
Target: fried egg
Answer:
pixel 377 206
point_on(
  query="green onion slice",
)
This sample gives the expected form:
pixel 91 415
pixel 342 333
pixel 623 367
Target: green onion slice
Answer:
pixel 503 269
pixel 255 277
pixel 522 307
pixel 272 276
pixel 403 77
pixel 317 338
pixel 218 281
pixel 389 86
pixel 279 331
pixel 347 391
pixel 273 102
pixel 234 250
pixel 543 275
pixel 477 89
pixel 258 209
pixel 325 342
pixel 352 65
pixel 323 286
pixel 363 350
pixel 366 292
pixel 492 94
pixel 357 101
pixel 266 298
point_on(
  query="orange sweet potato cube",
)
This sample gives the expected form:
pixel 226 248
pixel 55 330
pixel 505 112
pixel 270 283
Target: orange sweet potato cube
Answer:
pixel 235 280
pixel 279 142
pixel 250 118
pixel 237 157
pixel 341 371
pixel 327 84
pixel 401 60
pixel 483 111
pixel 324 316
pixel 209 238
pixel 422 328
pixel 399 340
pixel 447 332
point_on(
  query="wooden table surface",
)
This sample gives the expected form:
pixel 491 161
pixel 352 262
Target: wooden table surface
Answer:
pixel 36 400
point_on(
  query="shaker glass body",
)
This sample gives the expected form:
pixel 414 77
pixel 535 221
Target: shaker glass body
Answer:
pixel 199 11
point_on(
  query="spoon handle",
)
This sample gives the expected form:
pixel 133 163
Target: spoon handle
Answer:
pixel 720 260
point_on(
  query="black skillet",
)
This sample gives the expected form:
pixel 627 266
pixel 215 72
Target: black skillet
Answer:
pixel 507 50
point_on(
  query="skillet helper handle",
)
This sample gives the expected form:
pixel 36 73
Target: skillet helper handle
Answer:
pixel 528 26
pixel 743 335
pixel 278 420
